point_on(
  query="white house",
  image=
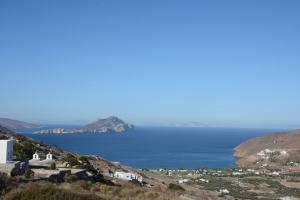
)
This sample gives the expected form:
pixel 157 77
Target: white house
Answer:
pixel 6 151
pixel 128 176
pixel 181 181
pixel 224 191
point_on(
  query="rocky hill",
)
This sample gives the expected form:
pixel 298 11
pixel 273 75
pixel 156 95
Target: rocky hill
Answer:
pixel 276 149
pixel 15 124
pixel 113 124
pixel 110 124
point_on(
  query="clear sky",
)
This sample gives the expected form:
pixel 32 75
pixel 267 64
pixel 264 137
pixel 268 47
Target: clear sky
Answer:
pixel 220 63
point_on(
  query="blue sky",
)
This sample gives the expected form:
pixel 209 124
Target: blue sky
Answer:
pixel 221 63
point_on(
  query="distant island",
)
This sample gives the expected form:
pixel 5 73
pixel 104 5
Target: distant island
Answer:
pixel 110 124
pixel 15 124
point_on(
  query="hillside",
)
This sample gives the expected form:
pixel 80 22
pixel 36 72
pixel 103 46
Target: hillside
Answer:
pixel 157 184
pixel 275 149
pixel 106 125
pixel 99 186
pixel 15 124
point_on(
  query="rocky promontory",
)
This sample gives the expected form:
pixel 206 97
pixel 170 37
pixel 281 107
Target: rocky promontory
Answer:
pixel 276 149
pixel 106 125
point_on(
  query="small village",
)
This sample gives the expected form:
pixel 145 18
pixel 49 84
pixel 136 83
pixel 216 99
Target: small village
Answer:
pixel 240 183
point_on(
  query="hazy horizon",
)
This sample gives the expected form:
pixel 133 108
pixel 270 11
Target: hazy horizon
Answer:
pixel 230 63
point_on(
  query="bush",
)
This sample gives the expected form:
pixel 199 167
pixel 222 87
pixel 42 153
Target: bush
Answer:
pixel 13 172
pixel 29 173
pixel 175 187
pixel 53 166
pixel 70 178
pixel 85 163
pixel 71 160
pixel 24 150
pixel 3 182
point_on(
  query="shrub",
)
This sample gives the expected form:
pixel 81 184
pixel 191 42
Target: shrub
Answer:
pixel 29 173
pixel 71 160
pixel 70 178
pixel 13 172
pixel 53 166
pixel 3 182
pixel 175 187
pixel 85 163
pixel 136 182
pixel 24 150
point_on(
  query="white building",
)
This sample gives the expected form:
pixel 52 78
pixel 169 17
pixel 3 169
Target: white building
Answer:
pixel 6 151
pixel 224 191
pixel 37 162
pixel 128 176
pixel 181 181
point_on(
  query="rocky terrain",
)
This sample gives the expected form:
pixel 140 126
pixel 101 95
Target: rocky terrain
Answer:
pixel 276 149
pixel 110 124
pixel 15 124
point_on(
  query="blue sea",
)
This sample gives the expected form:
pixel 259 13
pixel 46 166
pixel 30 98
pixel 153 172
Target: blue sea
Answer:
pixel 149 147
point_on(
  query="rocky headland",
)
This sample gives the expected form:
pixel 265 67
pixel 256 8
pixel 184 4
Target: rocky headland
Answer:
pixel 110 124
pixel 276 150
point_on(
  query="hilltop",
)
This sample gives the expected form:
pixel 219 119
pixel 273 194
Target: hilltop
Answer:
pixel 16 124
pixel 106 125
pixel 276 149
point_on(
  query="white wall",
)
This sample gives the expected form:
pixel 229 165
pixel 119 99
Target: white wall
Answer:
pixel 6 151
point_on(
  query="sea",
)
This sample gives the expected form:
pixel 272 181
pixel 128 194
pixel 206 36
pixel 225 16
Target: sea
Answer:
pixel 158 147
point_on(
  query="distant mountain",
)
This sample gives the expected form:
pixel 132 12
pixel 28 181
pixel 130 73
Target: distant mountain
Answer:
pixel 276 149
pixel 15 124
pixel 110 124
pixel 190 125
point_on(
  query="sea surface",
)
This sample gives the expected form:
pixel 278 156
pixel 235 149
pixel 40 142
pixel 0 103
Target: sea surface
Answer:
pixel 149 147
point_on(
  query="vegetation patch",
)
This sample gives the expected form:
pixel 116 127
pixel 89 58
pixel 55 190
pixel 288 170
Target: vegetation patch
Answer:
pixel 175 187
pixel 46 192
pixel 24 150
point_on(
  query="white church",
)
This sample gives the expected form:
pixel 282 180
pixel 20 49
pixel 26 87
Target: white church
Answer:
pixel 38 163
